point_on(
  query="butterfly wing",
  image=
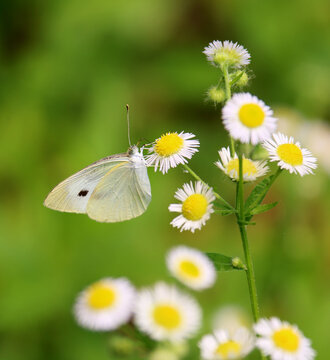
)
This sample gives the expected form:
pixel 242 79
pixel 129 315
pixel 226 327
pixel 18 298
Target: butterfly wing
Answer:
pixel 73 194
pixel 122 194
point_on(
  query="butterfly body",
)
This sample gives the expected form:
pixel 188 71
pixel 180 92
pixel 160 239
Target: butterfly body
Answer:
pixel 112 189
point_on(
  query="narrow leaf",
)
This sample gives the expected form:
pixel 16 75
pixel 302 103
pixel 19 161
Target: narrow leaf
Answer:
pixel 225 212
pixel 262 208
pixel 222 206
pixel 258 193
pixel 224 263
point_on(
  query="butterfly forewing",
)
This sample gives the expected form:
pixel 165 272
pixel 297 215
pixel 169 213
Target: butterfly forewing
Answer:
pixel 122 194
pixel 73 194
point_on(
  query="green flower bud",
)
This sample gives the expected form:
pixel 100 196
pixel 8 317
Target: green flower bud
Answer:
pixel 238 263
pixel 121 346
pixel 216 95
pixel 243 80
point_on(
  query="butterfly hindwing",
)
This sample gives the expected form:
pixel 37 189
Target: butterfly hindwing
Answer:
pixel 73 194
pixel 122 194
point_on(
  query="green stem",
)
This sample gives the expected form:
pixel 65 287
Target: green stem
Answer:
pixel 228 96
pixel 246 246
pixel 219 197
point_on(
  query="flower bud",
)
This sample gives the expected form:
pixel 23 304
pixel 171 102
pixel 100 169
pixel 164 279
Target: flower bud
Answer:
pixel 121 346
pixel 243 80
pixel 216 95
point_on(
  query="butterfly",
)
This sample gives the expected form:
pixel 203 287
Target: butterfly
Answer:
pixel 112 189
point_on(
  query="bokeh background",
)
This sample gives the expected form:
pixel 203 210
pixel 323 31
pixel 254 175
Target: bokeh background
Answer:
pixel 67 69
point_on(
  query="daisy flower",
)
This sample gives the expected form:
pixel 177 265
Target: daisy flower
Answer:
pixel 290 155
pixel 105 305
pixel 230 166
pixel 221 345
pixel 282 341
pixel 248 119
pixel 191 267
pixel 165 313
pixel 196 206
pixel 172 149
pixel 227 53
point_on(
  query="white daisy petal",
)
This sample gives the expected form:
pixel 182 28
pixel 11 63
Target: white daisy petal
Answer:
pixel 105 305
pixel 227 53
pixel 196 207
pixel 223 345
pixel 165 313
pixel 171 149
pixel 289 155
pixel 251 169
pixel 248 119
pixel 192 267
pixel 282 341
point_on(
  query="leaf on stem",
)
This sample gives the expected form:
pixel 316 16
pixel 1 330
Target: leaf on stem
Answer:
pixel 258 193
pixel 225 263
pixel 262 208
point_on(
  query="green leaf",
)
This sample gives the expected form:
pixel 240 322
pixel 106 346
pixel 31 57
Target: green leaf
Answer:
pixel 225 263
pixel 258 193
pixel 262 208
pixel 225 212
pixel 222 206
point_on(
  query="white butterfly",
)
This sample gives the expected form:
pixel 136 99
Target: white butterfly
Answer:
pixel 112 189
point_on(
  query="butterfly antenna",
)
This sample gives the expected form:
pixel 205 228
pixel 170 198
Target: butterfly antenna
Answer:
pixel 128 130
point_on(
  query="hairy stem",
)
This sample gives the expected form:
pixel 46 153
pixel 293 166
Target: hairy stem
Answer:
pixel 246 246
pixel 228 96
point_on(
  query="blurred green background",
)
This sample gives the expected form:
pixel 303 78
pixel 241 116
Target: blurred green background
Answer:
pixel 67 69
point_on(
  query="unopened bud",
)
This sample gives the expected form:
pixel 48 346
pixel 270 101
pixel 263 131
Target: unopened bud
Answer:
pixel 216 95
pixel 121 346
pixel 243 80
pixel 163 354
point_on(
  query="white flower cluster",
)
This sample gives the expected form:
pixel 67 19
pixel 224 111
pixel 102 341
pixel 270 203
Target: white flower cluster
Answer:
pixel 163 311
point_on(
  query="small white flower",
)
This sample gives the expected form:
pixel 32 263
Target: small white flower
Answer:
pixel 282 341
pixel 222 345
pixel 196 206
pixel 227 53
pixel 165 313
pixel 248 119
pixel 105 305
pixel 230 166
pixel 290 155
pixel 192 267
pixel 172 149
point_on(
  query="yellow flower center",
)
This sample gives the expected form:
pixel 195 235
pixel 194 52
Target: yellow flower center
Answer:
pixel 194 207
pixel 101 296
pixel 167 316
pixel 290 153
pixel 228 348
pixel 189 269
pixel 251 115
pixel 248 167
pixel 286 339
pixel 168 144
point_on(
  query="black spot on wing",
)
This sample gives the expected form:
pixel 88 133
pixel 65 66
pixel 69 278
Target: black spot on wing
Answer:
pixel 83 192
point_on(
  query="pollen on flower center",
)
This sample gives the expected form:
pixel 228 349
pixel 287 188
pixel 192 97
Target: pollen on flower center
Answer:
pixel 194 207
pixel 248 167
pixel 251 115
pixel 290 153
pixel 286 339
pixel 167 316
pixel 228 348
pixel 188 268
pixel 168 144
pixel 100 296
